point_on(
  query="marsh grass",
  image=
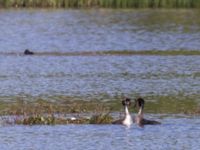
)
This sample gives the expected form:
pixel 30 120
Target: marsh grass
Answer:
pixel 101 119
pixel 180 104
pixel 151 52
pixel 102 3
pixel 42 112
pixel 113 52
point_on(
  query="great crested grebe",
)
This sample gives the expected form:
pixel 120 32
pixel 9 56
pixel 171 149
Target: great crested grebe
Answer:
pixel 127 120
pixel 139 120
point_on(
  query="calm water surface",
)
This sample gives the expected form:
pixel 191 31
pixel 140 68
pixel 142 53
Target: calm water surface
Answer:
pixel 174 133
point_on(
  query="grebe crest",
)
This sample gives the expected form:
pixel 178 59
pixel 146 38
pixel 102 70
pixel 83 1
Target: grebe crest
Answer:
pixel 139 102
pixel 126 102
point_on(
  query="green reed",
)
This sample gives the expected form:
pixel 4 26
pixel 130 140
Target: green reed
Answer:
pixel 102 3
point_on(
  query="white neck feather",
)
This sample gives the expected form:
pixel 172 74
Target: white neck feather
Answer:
pixel 140 112
pixel 128 119
pixel 139 116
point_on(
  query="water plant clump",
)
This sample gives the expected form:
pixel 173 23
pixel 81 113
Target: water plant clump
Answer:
pixel 102 3
pixel 101 119
pixel 71 111
pixel 36 120
pixel 52 120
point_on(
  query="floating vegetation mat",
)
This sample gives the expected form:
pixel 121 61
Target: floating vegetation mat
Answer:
pixel 110 52
pixel 43 112
pixel 52 120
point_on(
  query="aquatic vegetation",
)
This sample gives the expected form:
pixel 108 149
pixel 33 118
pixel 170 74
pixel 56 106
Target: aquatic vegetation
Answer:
pixel 114 52
pixel 101 119
pixel 102 3
pixel 42 112
pixel 36 120
pixel 155 104
pixel 52 120
pixel 172 104
pixel 151 52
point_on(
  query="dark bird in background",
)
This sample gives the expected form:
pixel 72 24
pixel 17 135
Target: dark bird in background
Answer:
pixel 28 52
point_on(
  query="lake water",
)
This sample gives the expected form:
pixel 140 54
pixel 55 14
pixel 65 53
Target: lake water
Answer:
pixel 99 29
pixel 176 133
pixel 99 77
pixel 91 30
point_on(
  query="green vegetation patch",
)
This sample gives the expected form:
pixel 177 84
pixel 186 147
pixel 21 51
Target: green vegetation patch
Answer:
pixel 43 112
pixel 52 120
pixel 101 119
pixel 122 52
pixel 152 52
pixel 102 3
pixel 171 104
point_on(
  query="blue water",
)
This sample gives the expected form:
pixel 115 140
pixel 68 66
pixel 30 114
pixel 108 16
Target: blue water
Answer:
pixel 98 29
pixel 99 77
pixel 174 133
pixel 57 30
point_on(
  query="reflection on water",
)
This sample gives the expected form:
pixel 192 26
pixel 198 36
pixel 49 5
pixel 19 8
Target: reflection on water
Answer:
pixel 174 133
pixel 99 29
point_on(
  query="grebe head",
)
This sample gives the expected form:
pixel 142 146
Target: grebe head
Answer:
pixel 139 102
pixel 126 102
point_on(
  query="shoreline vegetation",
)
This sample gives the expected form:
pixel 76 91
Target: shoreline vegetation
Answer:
pixel 101 3
pixel 44 112
pixel 111 52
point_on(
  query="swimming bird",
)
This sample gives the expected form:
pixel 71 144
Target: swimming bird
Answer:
pixel 28 52
pixel 127 120
pixel 139 119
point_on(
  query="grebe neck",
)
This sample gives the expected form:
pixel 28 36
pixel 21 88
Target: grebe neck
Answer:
pixel 141 112
pixel 126 111
pixel 128 119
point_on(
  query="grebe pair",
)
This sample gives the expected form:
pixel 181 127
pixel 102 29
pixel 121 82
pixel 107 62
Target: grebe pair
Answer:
pixel 139 119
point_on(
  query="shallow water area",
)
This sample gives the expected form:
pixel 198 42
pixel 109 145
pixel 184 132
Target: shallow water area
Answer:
pixel 174 133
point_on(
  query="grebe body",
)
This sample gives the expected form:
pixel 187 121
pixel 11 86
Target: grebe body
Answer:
pixel 139 119
pixel 127 120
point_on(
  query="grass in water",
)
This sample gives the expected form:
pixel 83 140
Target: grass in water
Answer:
pixel 113 52
pixel 151 52
pixel 49 113
pixel 102 3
